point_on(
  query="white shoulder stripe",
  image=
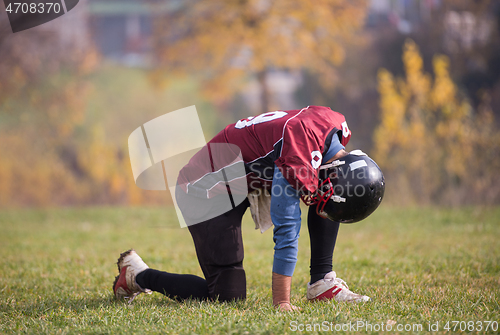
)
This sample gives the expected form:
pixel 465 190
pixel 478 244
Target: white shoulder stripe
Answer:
pixel 284 127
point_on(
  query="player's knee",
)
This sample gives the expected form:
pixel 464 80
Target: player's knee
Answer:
pixel 231 285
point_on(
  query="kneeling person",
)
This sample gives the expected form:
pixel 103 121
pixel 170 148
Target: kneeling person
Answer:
pixel 287 156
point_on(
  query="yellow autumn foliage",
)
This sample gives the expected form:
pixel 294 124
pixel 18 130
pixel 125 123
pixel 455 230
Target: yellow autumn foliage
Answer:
pixel 225 42
pixel 51 152
pixel 38 171
pixel 431 144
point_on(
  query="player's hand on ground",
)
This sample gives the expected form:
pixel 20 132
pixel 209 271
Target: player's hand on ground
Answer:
pixel 287 307
pixel 281 293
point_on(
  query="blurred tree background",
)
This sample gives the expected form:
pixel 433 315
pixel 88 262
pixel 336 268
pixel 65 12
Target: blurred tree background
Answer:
pixel 418 82
pixel 253 38
pixel 434 146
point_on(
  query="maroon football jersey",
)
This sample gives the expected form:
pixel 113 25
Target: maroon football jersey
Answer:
pixel 294 140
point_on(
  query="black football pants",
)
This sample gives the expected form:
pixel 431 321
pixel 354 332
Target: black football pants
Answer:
pixel 219 248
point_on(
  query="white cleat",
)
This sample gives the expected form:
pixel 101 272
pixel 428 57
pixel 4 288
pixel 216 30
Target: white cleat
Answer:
pixel 130 264
pixel 331 287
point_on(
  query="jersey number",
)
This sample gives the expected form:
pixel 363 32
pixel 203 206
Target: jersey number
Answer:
pixel 252 120
pixel 345 129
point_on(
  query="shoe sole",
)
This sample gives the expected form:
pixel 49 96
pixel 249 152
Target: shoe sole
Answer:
pixel 114 285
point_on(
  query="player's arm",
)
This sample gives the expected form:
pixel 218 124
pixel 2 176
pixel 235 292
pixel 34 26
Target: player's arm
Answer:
pixel 335 151
pixel 285 214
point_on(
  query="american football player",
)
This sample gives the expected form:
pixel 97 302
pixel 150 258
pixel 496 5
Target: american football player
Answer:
pixel 287 156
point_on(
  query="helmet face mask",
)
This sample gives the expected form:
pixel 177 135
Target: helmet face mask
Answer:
pixel 350 188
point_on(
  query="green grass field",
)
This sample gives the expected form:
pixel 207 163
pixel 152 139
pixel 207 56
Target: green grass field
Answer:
pixel 419 265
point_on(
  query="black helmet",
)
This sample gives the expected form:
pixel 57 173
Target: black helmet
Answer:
pixel 350 188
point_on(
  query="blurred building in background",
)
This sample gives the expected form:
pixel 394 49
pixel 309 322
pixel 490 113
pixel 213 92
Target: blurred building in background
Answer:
pixel 404 15
pixel 72 30
pixel 122 29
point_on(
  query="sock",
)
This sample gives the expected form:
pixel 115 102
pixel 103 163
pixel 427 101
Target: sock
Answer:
pixel 175 286
pixel 323 235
